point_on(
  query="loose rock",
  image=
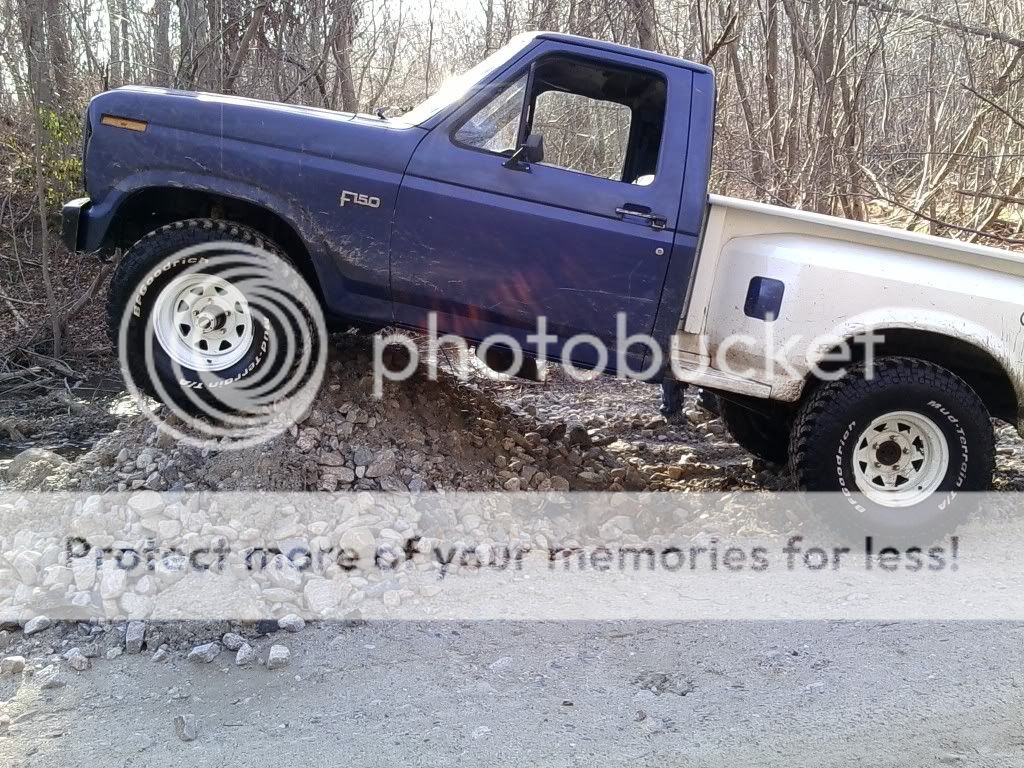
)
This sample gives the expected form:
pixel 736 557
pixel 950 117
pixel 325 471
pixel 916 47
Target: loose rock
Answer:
pixel 50 677
pixel 291 623
pixel 36 624
pixel 246 655
pixel 204 653
pixel 278 657
pixel 185 727
pixel 266 627
pixel 12 665
pixel 36 462
pixel 77 660
pixel 134 636
pixel 578 435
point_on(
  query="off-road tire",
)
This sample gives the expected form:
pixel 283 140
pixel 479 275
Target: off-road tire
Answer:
pixel 834 416
pixel 762 434
pixel 135 268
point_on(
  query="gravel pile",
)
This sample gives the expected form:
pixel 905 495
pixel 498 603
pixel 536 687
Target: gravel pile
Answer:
pixel 480 434
pixel 475 434
pixel 46 657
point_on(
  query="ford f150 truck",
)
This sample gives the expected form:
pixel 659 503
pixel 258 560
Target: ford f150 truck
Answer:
pixel 457 208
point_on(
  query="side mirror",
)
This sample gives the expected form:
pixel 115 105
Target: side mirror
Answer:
pixel 530 151
pixel 533 148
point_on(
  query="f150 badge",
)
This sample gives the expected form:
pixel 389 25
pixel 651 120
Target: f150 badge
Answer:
pixel 359 199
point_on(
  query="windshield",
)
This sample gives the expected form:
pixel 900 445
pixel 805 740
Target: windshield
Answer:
pixel 456 87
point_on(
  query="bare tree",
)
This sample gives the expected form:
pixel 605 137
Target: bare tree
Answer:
pixel 37 52
pixel 645 21
pixel 162 72
pixel 115 64
pixel 341 47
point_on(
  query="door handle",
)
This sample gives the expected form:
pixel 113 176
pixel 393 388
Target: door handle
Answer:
pixel 641 212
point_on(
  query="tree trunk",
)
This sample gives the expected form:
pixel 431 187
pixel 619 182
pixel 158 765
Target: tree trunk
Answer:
pixel 546 15
pixel 645 22
pixel 509 14
pixel 771 84
pixel 186 48
pixel 195 55
pixel 58 40
pixel 213 58
pixel 430 48
pixel 115 68
pixel 161 74
pixel 37 54
pixel 488 26
pixel 753 129
pixel 232 21
pixel 127 74
pixel 344 25
pixel 242 50
pixel 40 139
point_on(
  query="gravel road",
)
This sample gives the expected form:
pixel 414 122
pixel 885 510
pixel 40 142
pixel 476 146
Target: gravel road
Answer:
pixel 547 694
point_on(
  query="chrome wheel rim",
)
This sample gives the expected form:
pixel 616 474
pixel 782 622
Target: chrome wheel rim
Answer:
pixel 900 459
pixel 203 322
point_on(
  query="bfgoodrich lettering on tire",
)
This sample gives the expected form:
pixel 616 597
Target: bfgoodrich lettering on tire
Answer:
pixel 900 451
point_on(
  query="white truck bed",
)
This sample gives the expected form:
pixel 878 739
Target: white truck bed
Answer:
pixel 843 276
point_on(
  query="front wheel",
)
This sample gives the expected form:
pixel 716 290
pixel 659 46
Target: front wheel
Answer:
pixel 900 445
pixel 210 319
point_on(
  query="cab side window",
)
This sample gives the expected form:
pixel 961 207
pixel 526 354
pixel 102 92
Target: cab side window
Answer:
pixel 583 134
pixel 598 119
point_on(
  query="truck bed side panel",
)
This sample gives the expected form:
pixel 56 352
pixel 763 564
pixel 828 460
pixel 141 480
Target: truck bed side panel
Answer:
pixel 841 279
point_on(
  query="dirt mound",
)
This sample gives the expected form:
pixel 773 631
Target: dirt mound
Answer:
pixel 423 434
pixel 445 434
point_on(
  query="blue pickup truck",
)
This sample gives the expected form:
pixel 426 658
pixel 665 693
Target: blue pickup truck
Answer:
pixel 567 179
pixel 391 218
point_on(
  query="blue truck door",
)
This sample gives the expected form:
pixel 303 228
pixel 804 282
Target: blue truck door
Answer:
pixel 490 248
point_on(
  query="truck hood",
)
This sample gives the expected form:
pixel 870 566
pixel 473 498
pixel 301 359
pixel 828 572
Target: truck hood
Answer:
pixel 344 136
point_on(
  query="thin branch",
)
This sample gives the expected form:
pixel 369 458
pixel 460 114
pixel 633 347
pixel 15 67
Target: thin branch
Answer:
pixel 1012 118
pixel 990 196
pixel 956 227
pixel 970 29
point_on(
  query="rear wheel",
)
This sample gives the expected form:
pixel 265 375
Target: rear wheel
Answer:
pixel 901 449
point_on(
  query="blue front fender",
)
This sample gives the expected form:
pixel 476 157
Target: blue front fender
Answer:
pixel 353 289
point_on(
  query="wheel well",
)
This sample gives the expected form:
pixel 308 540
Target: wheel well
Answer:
pixel 976 366
pixel 153 207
